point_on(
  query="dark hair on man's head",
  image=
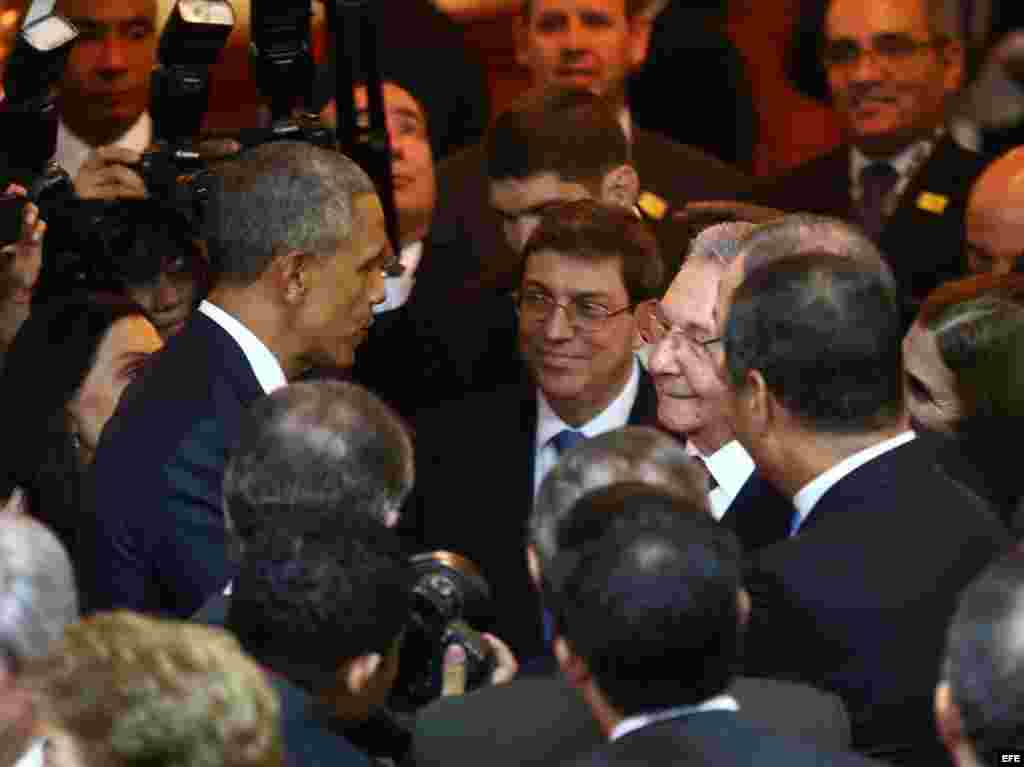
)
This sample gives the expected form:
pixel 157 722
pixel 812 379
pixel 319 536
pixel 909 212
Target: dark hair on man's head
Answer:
pixel 304 607
pixel 653 605
pixel 985 662
pixel 826 334
pixel 286 195
pixel 313 454
pixel 594 231
pixel 570 133
pixel 649 8
pixel 629 454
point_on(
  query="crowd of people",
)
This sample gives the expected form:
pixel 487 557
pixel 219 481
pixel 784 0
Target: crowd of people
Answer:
pixel 616 455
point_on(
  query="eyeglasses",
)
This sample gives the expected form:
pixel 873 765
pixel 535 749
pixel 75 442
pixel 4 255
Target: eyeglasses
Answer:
pixel 585 315
pixel 887 49
pixel 654 328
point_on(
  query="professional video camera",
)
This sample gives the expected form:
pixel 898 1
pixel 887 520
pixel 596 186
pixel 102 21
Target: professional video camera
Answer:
pixel 448 592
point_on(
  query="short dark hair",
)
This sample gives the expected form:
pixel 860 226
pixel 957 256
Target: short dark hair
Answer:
pixel 571 133
pixel 653 605
pixel 826 334
pixel 285 194
pixel 984 663
pixel 594 231
pixel 305 607
pixel 312 454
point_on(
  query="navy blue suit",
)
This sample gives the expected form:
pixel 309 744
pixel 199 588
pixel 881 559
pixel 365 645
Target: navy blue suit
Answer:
pixel 859 600
pixel 759 514
pixel 155 538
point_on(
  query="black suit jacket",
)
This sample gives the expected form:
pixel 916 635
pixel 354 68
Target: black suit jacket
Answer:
pixel 720 738
pixel 540 721
pixel 155 531
pixel 474 493
pixel 759 514
pixel 464 221
pixel 925 248
pixel 859 600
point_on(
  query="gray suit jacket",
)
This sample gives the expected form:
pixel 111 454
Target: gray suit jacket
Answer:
pixel 542 720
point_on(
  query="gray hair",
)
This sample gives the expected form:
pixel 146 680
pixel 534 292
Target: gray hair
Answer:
pixel 37 588
pixel 802 233
pixel 311 454
pixel 283 195
pixel 720 242
pixel 629 454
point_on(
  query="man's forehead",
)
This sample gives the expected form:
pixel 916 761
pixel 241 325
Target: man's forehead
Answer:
pixel 108 10
pixel 395 97
pixel 586 275
pixel 547 7
pixel 852 18
pixel 512 194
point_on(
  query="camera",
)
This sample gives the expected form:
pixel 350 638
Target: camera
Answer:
pixel 447 592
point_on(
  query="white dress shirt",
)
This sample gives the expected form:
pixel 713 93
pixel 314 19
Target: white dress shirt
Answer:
pixel 811 493
pixel 629 724
pixel 264 364
pixel 731 466
pixel 72 151
pixel 397 289
pixel 549 424
pixel 35 756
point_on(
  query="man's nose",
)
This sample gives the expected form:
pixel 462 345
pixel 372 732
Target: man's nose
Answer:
pixel 869 67
pixel 113 54
pixel 663 360
pixel 557 326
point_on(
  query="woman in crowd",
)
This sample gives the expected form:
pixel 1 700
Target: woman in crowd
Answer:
pixel 62 378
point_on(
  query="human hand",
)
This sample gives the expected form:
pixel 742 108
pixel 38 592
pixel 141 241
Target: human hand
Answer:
pixel 22 261
pixel 106 175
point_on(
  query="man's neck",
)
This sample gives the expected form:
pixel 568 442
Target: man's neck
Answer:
pixel 578 412
pixel 249 306
pixel 96 134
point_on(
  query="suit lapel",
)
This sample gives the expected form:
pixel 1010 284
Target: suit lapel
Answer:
pixel 230 361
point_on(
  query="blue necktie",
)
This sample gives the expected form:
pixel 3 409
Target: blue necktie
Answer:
pixel 566 439
pixel 794 523
pixel 877 180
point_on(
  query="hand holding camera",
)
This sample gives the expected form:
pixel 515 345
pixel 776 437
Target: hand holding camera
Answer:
pixel 21 238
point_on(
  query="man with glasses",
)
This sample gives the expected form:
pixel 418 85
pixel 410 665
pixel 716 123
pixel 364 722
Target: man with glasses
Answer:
pixel 892 65
pixel 684 329
pixel 480 461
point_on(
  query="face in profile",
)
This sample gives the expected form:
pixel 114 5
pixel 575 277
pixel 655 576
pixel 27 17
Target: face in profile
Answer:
pixel 106 82
pixel 522 201
pixel 581 43
pixel 343 288
pixel 931 390
pixel 685 330
pixel 170 297
pixel 888 71
pixel 583 365
pixel 120 358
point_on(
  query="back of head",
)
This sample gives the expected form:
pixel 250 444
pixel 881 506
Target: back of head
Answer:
pixel 571 133
pixel 629 454
pixel 720 242
pixel 984 659
pixel 133 691
pixel 313 454
pixel 284 195
pixel 825 333
pixel 38 599
pixel 305 607
pixel 595 231
pixel 653 605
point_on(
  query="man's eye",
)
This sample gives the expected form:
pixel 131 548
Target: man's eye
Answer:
pixel 895 45
pixel 841 52
pixel 918 390
pixel 591 310
pixel 551 23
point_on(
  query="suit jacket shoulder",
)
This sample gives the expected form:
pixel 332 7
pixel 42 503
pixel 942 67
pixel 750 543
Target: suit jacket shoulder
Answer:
pixel 759 514
pixel 307 741
pixel 156 532
pixel 820 185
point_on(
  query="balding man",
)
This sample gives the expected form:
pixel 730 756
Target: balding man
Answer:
pixel 995 216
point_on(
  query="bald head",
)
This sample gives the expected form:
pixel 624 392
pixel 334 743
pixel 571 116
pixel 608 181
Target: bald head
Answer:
pixel 995 215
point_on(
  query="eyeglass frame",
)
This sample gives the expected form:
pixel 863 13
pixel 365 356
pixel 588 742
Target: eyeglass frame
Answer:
pixel 907 48
pixel 572 318
pixel 671 329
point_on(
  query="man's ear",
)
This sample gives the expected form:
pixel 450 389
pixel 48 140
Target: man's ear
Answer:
pixel 639 39
pixel 291 273
pixel 757 401
pixel 743 612
pixel 522 42
pixel 620 186
pixel 952 54
pixel 533 565
pixel 572 665
pixel 358 672
pixel 947 719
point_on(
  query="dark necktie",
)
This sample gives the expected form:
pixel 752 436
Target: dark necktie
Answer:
pixel 876 182
pixel 566 439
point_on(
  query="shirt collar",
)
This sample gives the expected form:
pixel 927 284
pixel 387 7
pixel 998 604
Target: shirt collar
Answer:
pixel 812 492
pixel 265 366
pixel 612 417
pixel 629 724
pixel 72 151
pixel 730 465
pixel 398 289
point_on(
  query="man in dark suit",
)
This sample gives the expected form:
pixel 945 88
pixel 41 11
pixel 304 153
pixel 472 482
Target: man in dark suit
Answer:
pixel 591 45
pixel 299 243
pixel 813 355
pixel 480 461
pixel 685 331
pixel 551 722
pixel 891 68
pixel 662 582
